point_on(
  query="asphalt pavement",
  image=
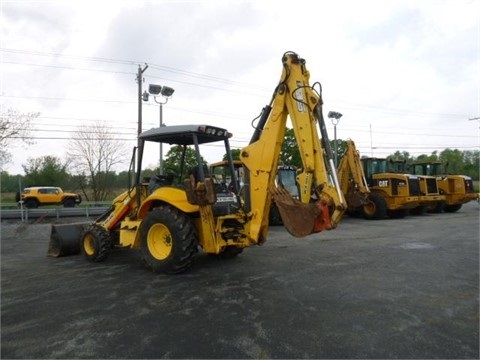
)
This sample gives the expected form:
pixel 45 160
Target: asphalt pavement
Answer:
pixel 402 288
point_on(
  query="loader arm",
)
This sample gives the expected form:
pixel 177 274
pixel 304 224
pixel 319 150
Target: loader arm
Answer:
pixel 293 98
pixel 352 178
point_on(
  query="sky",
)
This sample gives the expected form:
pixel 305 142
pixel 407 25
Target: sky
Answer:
pixel 404 74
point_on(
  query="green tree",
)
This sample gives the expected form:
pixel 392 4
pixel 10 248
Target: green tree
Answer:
pixel 424 157
pixel 341 148
pixel 290 153
pixel 173 161
pixel 45 171
pixel 235 154
pixel 10 183
pixel 453 159
pixel 400 155
pixel 471 160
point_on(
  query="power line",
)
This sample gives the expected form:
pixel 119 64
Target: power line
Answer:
pixel 74 57
pixel 71 138
pixel 69 68
pixel 130 62
pixel 66 99
pixel 364 108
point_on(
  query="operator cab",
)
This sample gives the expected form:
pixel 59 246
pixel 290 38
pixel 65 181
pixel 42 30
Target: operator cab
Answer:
pixel 200 186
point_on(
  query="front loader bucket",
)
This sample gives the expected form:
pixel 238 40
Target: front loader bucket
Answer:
pixel 65 239
pixel 298 218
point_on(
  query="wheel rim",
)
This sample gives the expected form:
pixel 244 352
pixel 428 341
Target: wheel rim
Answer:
pixel 159 241
pixel 369 208
pixel 88 245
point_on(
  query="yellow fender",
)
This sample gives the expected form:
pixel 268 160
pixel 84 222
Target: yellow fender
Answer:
pixel 170 195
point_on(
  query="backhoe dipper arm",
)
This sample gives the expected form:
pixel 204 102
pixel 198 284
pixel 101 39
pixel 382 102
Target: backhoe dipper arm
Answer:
pixel 352 177
pixel 350 167
pixel 295 98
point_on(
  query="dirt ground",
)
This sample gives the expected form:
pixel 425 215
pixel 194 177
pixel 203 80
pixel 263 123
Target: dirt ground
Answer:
pixel 403 288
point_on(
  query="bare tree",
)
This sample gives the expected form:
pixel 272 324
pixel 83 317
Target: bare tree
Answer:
pixel 94 153
pixel 14 126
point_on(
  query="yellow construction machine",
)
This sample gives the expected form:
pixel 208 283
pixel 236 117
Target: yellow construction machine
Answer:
pixel 371 190
pixel 430 196
pixel 456 189
pixel 400 191
pixel 169 221
pixel 360 200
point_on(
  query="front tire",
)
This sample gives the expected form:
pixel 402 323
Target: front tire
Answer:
pixel 31 203
pixel 376 208
pixel 69 203
pixel 168 240
pixel 96 243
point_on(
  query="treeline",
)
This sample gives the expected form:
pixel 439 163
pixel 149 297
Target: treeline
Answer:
pixel 456 161
pixel 50 171
pixel 95 185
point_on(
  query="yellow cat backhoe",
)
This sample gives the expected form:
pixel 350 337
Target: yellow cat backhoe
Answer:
pixel 169 218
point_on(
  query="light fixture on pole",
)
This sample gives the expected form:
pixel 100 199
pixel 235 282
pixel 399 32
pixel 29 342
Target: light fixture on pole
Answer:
pixel 335 118
pixel 165 92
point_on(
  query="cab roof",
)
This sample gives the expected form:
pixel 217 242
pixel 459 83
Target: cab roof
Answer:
pixel 183 134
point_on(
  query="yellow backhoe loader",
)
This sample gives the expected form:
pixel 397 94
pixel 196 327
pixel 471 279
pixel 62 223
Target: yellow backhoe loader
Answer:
pixel 371 190
pixel 360 200
pixel 168 223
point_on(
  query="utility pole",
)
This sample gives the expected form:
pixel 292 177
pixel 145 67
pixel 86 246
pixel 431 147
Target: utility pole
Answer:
pixel 139 82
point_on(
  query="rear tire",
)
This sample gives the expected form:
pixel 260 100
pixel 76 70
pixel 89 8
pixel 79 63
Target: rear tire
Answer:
pixel 168 240
pixel 31 203
pixel 96 243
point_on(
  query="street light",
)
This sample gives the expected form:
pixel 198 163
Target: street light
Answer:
pixel 165 92
pixel 335 118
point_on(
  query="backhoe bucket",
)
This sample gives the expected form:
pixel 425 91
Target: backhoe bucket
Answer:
pixel 298 218
pixel 65 239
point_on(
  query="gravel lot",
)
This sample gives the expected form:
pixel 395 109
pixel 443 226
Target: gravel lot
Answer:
pixel 404 288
